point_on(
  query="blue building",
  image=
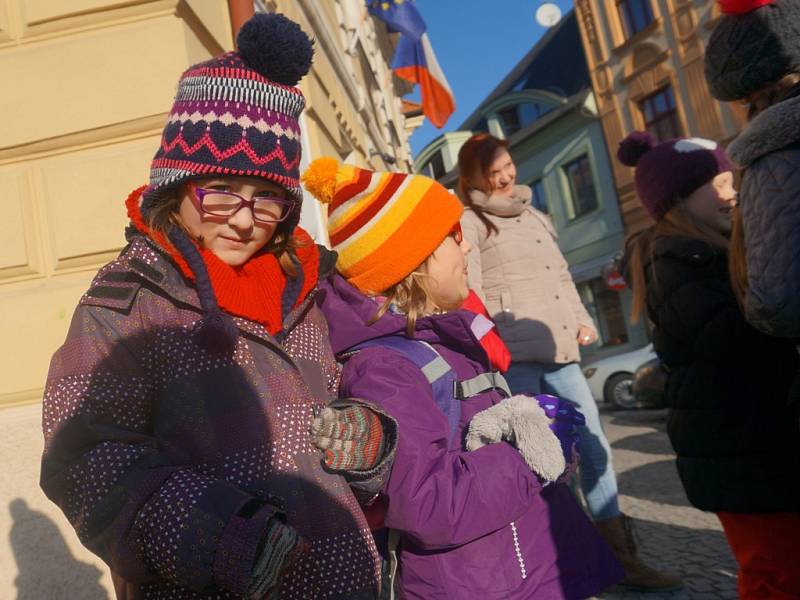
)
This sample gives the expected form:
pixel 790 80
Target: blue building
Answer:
pixel 546 110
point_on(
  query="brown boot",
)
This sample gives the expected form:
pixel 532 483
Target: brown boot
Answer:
pixel 618 533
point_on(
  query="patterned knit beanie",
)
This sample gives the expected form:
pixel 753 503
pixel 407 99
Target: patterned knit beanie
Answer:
pixel 754 44
pixel 237 114
pixel 669 172
pixel 234 115
pixel 382 225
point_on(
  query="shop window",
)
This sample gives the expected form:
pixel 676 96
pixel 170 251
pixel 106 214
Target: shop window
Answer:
pixel 583 196
pixel 635 15
pixel 539 196
pixel 660 114
pixel 605 306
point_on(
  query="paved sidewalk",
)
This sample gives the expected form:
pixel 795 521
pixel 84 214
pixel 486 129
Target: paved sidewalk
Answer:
pixel 672 535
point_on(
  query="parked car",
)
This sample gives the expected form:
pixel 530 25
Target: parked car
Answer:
pixel 649 381
pixel 611 378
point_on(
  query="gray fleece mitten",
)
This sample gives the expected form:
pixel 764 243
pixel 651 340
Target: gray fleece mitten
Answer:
pixel 520 421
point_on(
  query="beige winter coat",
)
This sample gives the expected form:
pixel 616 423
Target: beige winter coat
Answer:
pixel 522 277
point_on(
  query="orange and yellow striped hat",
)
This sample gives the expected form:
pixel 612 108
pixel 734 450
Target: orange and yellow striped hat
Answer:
pixel 383 225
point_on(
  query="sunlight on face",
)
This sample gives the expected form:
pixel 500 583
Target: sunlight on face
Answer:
pixel 236 238
pixel 502 174
pixel 446 274
pixel 712 204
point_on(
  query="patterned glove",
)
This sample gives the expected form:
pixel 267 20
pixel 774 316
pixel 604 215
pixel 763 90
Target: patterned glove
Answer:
pixel 565 420
pixel 351 437
pixel 280 548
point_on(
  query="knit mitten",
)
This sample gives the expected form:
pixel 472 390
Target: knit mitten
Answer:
pixel 351 437
pixel 565 420
pixel 520 421
pixel 280 548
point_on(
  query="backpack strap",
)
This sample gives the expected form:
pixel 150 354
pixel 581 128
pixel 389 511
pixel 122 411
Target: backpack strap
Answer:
pixel 448 391
pixel 393 551
pixel 435 369
pixel 484 382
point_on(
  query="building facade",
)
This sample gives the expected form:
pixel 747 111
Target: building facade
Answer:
pixel 546 110
pixel 646 62
pixel 87 87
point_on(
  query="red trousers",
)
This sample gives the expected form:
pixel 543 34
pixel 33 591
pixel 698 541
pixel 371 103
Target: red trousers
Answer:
pixel 767 548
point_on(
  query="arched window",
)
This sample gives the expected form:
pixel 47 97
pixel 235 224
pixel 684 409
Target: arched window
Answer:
pixel 518 116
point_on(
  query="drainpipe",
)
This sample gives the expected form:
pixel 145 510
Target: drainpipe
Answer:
pixel 240 11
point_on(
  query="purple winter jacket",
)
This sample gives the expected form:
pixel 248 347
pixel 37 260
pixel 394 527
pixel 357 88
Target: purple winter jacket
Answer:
pixel 472 524
pixel 169 460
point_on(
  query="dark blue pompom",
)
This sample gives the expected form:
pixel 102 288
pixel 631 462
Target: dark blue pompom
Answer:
pixel 276 47
pixel 633 147
pixel 216 332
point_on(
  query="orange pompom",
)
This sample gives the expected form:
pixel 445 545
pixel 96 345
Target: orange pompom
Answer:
pixel 320 178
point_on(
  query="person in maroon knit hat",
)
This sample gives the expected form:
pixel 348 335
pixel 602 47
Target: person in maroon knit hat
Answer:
pixel 177 413
pixel 737 444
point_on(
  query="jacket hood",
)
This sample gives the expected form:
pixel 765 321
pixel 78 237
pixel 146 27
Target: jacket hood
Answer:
pixel 350 315
pixel 503 206
pixel 776 127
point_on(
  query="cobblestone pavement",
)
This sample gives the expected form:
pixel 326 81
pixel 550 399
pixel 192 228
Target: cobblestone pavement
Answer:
pixel 672 535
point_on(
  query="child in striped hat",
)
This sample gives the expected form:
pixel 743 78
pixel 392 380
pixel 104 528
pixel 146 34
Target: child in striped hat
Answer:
pixel 177 413
pixel 475 502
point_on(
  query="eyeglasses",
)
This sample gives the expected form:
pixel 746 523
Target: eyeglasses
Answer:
pixel 220 203
pixel 456 233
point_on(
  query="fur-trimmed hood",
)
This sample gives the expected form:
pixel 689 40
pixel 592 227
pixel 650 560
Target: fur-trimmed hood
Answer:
pixel 776 127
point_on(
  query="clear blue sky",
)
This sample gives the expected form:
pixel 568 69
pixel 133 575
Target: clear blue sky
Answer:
pixel 477 42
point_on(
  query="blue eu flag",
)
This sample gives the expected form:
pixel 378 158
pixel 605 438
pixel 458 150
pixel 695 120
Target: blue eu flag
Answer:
pixel 400 16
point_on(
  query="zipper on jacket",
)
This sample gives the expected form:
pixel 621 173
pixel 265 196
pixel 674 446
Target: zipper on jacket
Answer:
pixel 518 552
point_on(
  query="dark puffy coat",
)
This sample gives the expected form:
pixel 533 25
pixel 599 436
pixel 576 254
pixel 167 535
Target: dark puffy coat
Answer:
pixel 769 150
pixel 169 460
pixel 738 446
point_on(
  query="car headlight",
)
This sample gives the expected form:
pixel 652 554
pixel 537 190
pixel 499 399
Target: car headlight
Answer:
pixel 589 371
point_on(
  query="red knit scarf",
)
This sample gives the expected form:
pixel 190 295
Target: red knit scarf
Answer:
pixel 253 290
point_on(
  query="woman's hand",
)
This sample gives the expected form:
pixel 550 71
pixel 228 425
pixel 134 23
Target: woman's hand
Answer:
pixel 352 438
pixel 586 335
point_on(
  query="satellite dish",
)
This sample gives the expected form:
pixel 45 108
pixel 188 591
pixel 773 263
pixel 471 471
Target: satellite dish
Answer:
pixel 548 14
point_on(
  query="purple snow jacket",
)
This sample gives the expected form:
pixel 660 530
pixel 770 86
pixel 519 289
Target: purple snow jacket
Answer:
pixel 472 524
pixel 169 460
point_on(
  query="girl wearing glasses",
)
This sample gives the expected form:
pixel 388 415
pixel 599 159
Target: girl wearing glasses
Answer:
pixel 475 504
pixel 176 414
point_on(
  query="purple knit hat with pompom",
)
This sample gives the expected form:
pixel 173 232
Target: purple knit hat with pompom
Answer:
pixel 234 115
pixel 670 171
pixel 238 114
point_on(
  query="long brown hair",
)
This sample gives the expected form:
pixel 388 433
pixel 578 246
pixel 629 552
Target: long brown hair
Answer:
pixel 639 249
pixel 736 258
pixel 164 215
pixel 771 94
pixel 474 160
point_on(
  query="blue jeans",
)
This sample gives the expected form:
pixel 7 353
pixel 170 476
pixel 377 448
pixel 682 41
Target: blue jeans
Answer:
pixel 597 478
